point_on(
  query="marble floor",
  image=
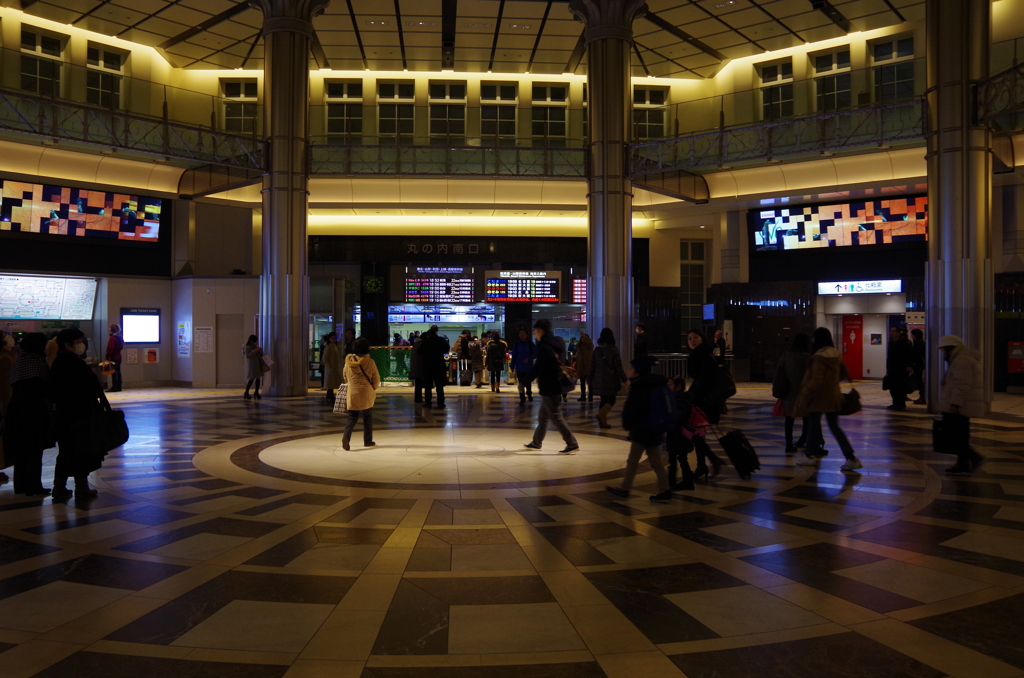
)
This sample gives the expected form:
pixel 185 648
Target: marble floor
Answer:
pixel 237 538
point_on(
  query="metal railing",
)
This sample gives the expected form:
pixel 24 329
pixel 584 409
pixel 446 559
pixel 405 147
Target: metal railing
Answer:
pixel 671 364
pixel 468 161
pixel 93 125
pixel 850 129
pixel 392 362
pixel 1001 100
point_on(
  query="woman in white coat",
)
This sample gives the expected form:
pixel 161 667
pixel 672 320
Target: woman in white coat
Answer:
pixel 363 380
pixel 962 397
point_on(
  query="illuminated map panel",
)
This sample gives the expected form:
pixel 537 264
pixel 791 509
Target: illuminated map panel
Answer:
pixel 43 298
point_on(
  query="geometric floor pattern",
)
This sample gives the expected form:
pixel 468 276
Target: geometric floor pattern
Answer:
pixel 234 538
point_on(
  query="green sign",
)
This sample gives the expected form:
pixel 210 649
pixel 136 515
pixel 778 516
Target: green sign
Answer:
pixel 57 324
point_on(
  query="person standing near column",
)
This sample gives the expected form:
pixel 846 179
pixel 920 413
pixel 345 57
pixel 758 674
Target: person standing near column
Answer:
pixel 640 346
pixel 113 353
pixel 253 353
pixel 899 365
pixel 920 360
pixel 76 394
pixel 584 358
pixel 607 378
pixel 524 352
pixel 497 357
pixel 962 397
pixel 433 366
pixel 28 432
pixel 333 365
pixel 548 370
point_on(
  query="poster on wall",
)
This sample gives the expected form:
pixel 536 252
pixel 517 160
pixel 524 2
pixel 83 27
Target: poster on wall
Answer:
pixel 184 337
pixel 203 338
pixel 131 356
pixel 152 356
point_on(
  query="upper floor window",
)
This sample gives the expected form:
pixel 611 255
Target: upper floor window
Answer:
pixel 103 77
pixel 41 62
pixel 439 90
pixel 649 112
pixel 240 105
pixel 506 92
pixel 893 69
pixel 549 116
pixel 396 89
pixel 558 94
pixel 776 90
pixel 344 99
pixel 448 110
pixel 833 81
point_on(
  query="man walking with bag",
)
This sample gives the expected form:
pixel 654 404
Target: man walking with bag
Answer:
pixel 962 397
pixel 548 371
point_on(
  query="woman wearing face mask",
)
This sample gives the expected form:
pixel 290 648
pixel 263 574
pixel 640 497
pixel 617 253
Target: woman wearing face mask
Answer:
pixel 77 394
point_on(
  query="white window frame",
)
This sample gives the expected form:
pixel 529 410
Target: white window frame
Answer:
pixel 38 56
pixel 346 102
pixel 245 99
pixel 833 73
pixel 778 84
pixel 106 75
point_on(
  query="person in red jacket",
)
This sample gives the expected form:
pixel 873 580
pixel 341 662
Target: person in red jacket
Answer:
pixel 114 345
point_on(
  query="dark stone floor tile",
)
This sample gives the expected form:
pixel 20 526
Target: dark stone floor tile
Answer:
pixel 575 670
pixel 99 665
pixel 605 500
pixel 829 495
pixel 13 550
pixel 97 570
pixel 845 655
pixel 227 526
pixel 994 629
pixel 927 539
pixel 486 590
pixel 416 623
pixel 688 526
pixel 577 551
pixel 776 510
pixel 281 554
pixel 968 512
pixel 4 647
pixel 965 487
pixel 665 579
pixel 352 535
pixel 169 622
pixel 589 530
pixel 156 515
pixel 430 559
pixel 313 499
pixel 466 537
pixel 367 503
pixel 813 566
pixel 528 507
pixel 247 492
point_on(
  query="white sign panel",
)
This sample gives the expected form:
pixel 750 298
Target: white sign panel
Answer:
pixel 39 298
pixel 861 287
pixel 203 338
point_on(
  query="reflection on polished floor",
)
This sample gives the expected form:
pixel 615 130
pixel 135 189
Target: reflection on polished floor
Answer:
pixel 235 538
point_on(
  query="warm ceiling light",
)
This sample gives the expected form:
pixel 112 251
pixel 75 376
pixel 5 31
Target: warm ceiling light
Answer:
pixel 376 23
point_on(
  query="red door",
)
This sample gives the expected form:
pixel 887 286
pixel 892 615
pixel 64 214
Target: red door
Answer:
pixel 853 345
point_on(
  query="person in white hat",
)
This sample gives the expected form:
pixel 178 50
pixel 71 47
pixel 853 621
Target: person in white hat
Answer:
pixel 962 397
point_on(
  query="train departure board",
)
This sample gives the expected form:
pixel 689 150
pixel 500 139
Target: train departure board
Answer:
pixel 579 290
pixel 440 285
pixel 517 286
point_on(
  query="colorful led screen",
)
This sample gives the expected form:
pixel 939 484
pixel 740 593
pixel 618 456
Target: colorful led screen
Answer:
pixel 56 210
pixel 873 222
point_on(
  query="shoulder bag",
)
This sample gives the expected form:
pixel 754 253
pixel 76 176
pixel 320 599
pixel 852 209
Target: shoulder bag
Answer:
pixel 102 431
pixel 851 403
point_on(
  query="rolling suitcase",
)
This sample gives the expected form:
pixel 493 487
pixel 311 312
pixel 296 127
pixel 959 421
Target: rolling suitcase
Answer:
pixel 741 453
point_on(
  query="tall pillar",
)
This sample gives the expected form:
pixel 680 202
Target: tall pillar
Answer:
pixel 284 282
pixel 609 39
pixel 959 298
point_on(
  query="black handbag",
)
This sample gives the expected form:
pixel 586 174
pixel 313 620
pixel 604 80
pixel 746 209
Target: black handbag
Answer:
pixel 851 403
pixel 102 431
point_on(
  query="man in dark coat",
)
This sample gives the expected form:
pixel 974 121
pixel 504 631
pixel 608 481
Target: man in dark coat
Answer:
pixel 899 365
pixel 432 365
pixel 640 342
pixel 547 369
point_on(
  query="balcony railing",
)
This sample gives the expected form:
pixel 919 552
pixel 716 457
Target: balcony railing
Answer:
pixel 465 161
pixel 1001 100
pixel 72 121
pixel 858 128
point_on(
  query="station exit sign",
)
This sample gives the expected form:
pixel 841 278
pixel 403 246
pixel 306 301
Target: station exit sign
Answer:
pixel 861 287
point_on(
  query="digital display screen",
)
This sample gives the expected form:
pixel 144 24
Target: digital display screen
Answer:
pixel 579 290
pixel 520 286
pixel 56 210
pixel 872 222
pixel 44 298
pixel 140 326
pixel 441 314
pixel 709 312
pixel 427 290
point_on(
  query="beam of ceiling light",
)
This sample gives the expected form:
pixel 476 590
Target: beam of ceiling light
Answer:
pixel 684 36
pixel 449 17
pixel 318 52
pixel 209 23
pixel 252 47
pixel 497 32
pixel 540 32
pixel 359 37
pixel 401 35
pixel 577 55
pixel 826 8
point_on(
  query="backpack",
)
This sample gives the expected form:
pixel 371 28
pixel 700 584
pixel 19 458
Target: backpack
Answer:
pixel 474 349
pixel 694 423
pixel 723 386
pixel 662 413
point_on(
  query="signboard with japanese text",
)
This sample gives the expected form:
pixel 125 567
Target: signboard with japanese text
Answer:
pixel 861 287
